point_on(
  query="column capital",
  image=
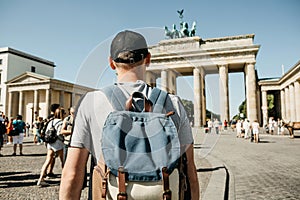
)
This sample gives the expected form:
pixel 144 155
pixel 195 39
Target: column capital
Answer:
pixel 250 63
pixel 222 65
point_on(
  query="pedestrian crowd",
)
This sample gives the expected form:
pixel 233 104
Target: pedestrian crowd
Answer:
pixel 13 131
pixel 244 128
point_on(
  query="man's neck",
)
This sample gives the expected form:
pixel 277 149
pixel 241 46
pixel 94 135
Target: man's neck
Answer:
pixel 129 76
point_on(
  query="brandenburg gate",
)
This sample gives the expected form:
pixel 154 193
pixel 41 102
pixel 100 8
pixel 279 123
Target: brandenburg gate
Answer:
pixel 197 57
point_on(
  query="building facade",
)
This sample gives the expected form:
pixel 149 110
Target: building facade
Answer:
pixel 286 94
pixel 28 87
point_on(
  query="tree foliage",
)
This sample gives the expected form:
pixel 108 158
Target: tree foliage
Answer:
pixel 189 108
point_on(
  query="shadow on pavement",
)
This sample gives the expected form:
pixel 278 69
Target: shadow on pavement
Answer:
pixel 266 141
pixel 209 169
pixel 17 179
pixel 36 154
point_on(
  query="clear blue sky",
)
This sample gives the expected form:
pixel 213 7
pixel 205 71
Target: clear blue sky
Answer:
pixel 66 32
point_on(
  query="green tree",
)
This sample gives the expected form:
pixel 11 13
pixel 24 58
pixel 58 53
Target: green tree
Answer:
pixel 189 108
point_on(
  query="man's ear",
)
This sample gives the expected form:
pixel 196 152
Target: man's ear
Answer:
pixel 111 63
pixel 147 59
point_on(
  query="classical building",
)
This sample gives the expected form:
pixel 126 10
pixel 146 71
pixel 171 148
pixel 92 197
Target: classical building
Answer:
pixel 286 95
pixel 197 57
pixel 27 86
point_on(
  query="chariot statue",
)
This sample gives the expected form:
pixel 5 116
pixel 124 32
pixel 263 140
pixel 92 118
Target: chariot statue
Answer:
pixel 183 31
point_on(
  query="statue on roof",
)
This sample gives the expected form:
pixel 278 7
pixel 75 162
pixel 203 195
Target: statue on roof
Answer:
pixel 183 31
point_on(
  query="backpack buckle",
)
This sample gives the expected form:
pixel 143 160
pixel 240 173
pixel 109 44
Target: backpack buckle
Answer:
pixel 122 196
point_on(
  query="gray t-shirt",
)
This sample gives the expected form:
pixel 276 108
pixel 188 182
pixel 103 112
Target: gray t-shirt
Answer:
pixel 95 107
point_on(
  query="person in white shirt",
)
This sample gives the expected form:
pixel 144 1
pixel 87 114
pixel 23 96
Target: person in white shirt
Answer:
pixel 246 126
pixel 255 130
pixel 238 128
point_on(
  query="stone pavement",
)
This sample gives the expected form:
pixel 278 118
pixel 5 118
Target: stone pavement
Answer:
pixel 19 174
pixel 228 168
pixel 245 170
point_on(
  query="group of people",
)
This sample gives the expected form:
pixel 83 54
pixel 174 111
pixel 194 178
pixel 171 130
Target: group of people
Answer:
pixel 210 124
pixel 62 125
pixel 275 126
pixel 245 129
pixel 216 124
pixel 13 132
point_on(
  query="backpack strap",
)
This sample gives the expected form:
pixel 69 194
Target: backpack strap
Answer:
pixel 158 98
pixel 115 96
pixel 167 194
pixel 122 187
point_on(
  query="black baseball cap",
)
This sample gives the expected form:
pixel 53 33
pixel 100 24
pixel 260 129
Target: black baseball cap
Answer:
pixel 128 47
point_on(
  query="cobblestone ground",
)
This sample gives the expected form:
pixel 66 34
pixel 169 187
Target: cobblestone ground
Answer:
pixel 19 174
pixel 267 170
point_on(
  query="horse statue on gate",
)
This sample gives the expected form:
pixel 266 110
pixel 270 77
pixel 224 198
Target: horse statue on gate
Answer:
pixel 184 32
pixel 291 126
pixel 168 33
pixel 174 32
pixel 193 30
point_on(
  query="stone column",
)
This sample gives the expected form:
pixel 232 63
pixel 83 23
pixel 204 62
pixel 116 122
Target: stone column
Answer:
pixel 48 102
pixel 224 97
pixel 297 98
pixel 251 92
pixel 282 103
pixel 21 103
pixel 287 104
pixel 35 104
pixel 73 95
pixel 197 98
pixel 9 111
pixel 202 95
pixel 62 98
pixel 164 80
pixel 172 86
pixel 264 107
pixel 151 79
pixel 292 103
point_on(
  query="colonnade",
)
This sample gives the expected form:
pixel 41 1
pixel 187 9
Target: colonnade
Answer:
pixel 168 83
pixel 16 101
pixel 289 101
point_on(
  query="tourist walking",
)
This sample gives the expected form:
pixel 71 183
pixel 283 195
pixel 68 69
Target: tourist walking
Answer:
pixel 2 133
pixel 209 125
pixel 53 149
pixel 246 127
pixel 9 128
pixel 271 125
pixel 53 108
pixel 255 131
pixel 225 124
pixel 238 128
pixel 37 126
pixel 279 126
pixel 19 128
pixel 217 126
pixel 66 130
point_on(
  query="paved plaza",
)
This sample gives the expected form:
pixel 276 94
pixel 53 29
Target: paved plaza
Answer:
pixel 228 168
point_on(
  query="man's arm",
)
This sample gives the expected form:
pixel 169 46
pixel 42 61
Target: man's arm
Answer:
pixel 73 174
pixel 192 173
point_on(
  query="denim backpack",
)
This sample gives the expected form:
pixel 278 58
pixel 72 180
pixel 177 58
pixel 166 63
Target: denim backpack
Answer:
pixel 139 143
